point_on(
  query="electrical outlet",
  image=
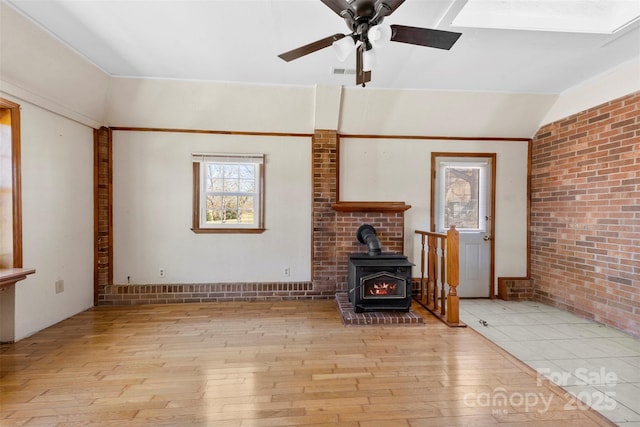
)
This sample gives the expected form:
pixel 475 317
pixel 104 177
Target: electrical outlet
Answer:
pixel 286 272
pixel 59 286
pixel 162 272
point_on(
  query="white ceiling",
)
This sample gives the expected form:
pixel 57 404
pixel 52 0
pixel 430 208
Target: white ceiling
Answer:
pixel 239 40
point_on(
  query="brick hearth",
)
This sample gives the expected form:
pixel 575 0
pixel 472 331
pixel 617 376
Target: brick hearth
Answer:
pixel 351 318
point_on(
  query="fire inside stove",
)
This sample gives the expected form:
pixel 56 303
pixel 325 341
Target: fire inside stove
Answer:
pixel 383 285
pixel 383 289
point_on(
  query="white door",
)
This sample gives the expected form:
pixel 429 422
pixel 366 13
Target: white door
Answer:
pixel 463 198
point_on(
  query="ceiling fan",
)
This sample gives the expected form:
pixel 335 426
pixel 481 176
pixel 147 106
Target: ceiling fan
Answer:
pixel 364 18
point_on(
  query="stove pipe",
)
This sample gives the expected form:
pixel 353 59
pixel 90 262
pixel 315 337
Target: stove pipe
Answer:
pixel 367 235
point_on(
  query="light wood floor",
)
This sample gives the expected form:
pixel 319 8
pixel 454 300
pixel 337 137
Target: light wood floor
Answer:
pixel 268 364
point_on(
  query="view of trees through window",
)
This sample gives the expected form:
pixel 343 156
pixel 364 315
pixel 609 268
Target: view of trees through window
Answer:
pixel 461 197
pixel 231 193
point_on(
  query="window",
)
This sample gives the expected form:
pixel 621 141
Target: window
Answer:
pixel 228 193
pixel 462 196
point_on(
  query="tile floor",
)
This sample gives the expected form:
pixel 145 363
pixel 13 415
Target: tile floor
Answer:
pixel 598 364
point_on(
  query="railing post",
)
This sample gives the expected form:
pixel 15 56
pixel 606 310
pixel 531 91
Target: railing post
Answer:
pixel 453 269
pixel 432 282
pixel 443 278
pixel 423 291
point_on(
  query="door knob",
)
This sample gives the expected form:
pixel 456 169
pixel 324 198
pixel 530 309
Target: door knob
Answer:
pixel 486 238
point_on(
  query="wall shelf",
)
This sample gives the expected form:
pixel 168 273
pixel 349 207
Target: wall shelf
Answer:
pixel 9 276
pixel 370 207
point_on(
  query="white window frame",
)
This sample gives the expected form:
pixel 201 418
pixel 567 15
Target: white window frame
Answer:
pixel 200 224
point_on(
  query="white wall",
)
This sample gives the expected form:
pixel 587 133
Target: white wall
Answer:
pixel 438 113
pixel 152 208
pixel 615 83
pixel 62 98
pixel 57 219
pixel 180 104
pixel 37 68
pixel 399 170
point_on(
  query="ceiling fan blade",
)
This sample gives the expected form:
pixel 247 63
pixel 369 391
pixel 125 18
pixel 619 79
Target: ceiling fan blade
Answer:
pixel 310 48
pixel 424 36
pixel 338 5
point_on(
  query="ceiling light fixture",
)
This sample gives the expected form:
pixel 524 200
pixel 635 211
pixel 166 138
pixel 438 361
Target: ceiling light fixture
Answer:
pixel 379 35
pixel 343 48
pixel 364 18
pixel 369 59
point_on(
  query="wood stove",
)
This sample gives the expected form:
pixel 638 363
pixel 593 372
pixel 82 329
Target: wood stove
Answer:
pixel 378 281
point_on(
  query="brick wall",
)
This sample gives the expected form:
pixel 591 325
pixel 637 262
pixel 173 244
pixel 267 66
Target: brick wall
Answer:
pixel 334 232
pixel 102 210
pixel 324 152
pixel 389 229
pixel 585 213
pixel 515 289
pixel 203 292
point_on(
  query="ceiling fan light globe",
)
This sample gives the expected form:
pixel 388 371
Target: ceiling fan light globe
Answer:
pixel 343 48
pixel 379 35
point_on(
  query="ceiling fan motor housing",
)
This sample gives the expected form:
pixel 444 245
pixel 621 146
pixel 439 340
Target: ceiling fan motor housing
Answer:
pixel 365 9
pixel 367 14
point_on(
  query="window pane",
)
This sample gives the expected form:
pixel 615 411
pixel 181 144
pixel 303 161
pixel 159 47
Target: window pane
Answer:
pixel 247 171
pixel 247 186
pixel 230 185
pixel 461 188
pixel 214 185
pixel 246 202
pixel 230 171
pixel 214 216
pixel 230 202
pixel 214 202
pixel 245 209
pixel 246 217
pixel 214 170
pixel 230 208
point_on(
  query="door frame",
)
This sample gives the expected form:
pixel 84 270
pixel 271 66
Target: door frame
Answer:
pixel 16 174
pixel 492 206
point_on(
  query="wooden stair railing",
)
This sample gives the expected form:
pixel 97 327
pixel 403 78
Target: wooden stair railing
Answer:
pixel 442 268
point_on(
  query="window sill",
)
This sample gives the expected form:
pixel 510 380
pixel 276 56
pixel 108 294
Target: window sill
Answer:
pixel 228 230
